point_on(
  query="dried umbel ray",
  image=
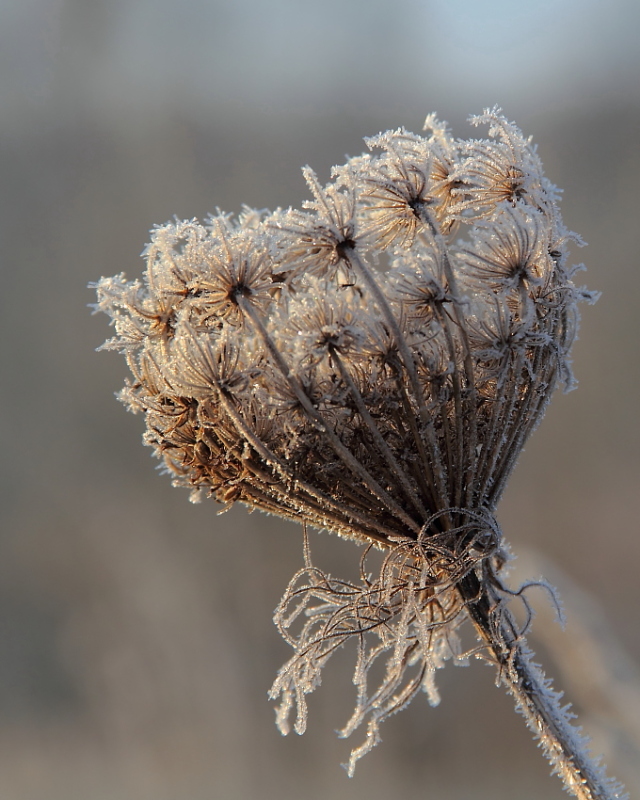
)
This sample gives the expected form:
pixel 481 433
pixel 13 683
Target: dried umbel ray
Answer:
pixel 372 365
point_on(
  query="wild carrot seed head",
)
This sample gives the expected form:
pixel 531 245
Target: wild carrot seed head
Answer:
pixel 372 365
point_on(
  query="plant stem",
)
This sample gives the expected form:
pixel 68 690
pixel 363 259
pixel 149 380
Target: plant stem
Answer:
pixel 564 746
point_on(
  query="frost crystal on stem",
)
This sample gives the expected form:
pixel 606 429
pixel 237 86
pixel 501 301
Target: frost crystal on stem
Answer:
pixel 372 365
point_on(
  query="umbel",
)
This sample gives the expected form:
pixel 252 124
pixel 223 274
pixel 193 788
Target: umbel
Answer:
pixel 372 365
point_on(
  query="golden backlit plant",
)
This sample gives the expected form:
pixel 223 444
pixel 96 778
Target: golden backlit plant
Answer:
pixel 372 365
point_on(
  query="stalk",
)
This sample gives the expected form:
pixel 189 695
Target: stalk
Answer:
pixel 548 720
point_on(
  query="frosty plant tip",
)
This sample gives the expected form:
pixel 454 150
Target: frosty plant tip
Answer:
pixel 372 365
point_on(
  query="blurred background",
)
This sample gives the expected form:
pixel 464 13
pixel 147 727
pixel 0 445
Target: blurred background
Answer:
pixel 136 643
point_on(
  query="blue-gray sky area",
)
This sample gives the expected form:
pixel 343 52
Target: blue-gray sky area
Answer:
pixel 290 54
pixel 136 642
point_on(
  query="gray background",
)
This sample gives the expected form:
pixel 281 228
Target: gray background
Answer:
pixel 136 644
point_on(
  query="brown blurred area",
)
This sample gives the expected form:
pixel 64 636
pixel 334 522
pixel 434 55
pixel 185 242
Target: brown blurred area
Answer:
pixel 136 643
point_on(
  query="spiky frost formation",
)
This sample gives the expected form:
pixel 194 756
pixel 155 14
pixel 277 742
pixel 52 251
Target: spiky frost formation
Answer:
pixel 371 365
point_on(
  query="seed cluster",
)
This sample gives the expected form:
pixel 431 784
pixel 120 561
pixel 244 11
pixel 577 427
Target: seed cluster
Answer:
pixel 371 365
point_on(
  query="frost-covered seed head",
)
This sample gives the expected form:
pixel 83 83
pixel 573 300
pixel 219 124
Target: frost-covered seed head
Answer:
pixel 371 365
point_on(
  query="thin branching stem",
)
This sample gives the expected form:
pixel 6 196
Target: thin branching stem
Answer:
pixel 343 452
pixel 383 447
pixel 407 359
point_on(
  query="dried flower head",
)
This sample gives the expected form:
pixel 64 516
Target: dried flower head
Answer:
pixel 354 367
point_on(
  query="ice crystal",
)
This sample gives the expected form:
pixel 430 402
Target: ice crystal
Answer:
pixel 371 365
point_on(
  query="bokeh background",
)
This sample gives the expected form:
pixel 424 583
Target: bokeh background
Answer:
pixel 136 644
